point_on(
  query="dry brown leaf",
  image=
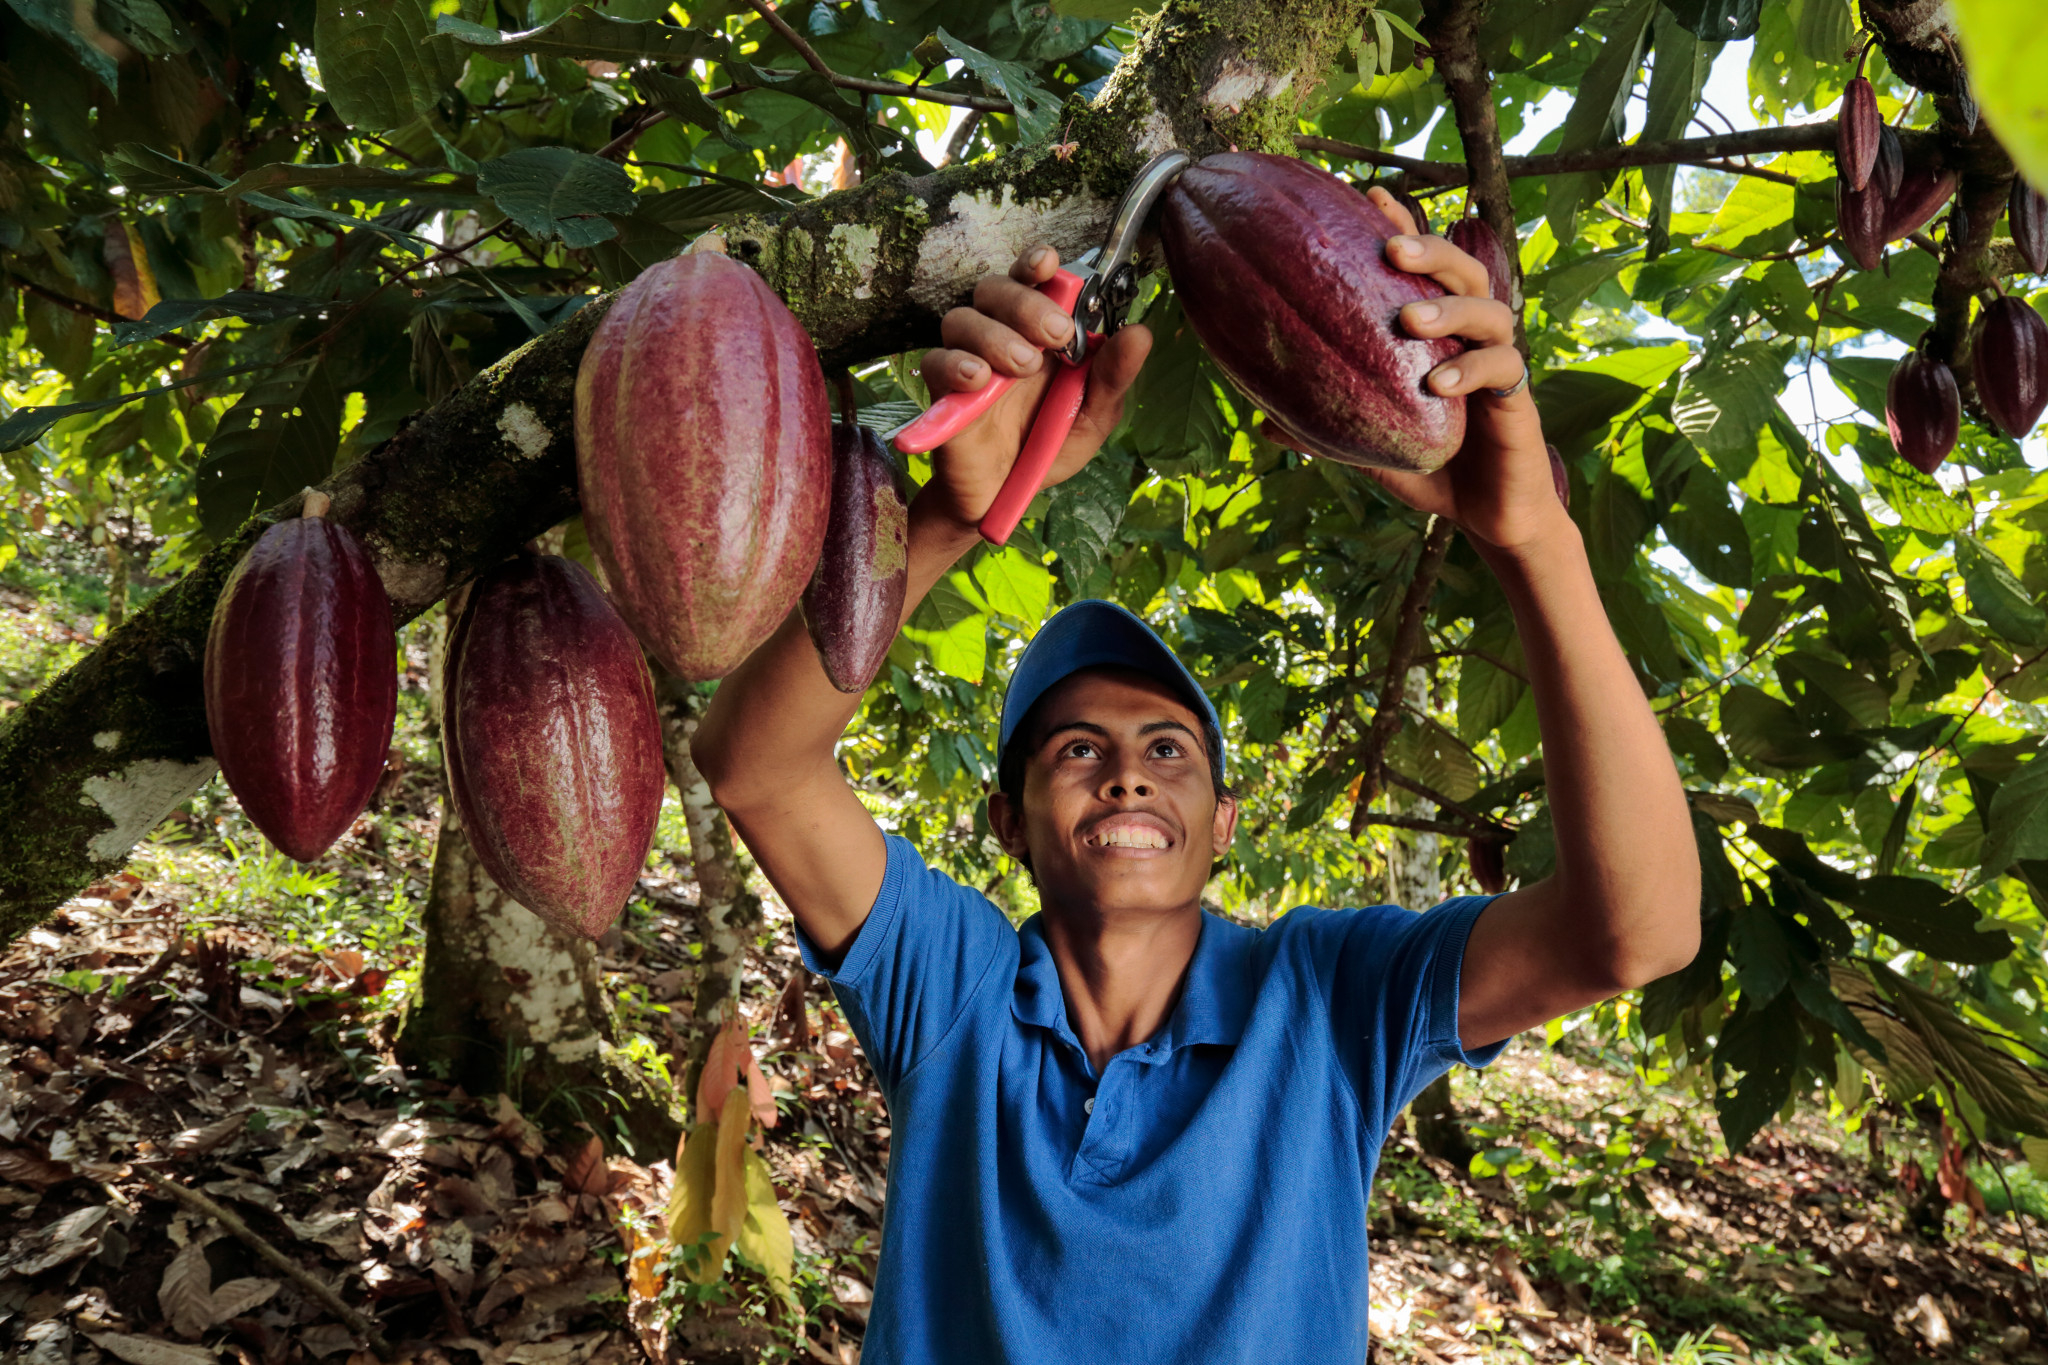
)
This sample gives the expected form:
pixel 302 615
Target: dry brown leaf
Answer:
pixel 26 1168
pixel 186 1293
pixel 72 1236
pixel 586 1172
pixel 139 1350
pixel 199 1141
pixel 238 1297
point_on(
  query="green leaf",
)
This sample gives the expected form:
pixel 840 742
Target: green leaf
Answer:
pixel 1920 913
pixel 1721 20
pixel 1997 595
pixel 558 192
pixel 2005 49
pixel 58 19
pixel 1724 403
pixel 1861 557
pixel 1677 74
pixel 278 439
pixel 2017 823
pixel 583 34
pixel 249 305
pixel 1761 1042
pixel 1764 957
pixel 2011 1094
pixel 25 426
pixel 1597 114
pixel 1037 109
pixel 378 68
pixel 1085 512
pixel 951 629
pixel 1175 423
pixel 1705 528
pixel 1761 730
pixel 1017 585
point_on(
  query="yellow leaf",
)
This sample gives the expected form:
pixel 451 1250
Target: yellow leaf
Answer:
pixel 135 291
pixel 729 1193
pixel 766 1239
pixel 689 1206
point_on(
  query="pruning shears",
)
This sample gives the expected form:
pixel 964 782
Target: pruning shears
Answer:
pixel 1097 291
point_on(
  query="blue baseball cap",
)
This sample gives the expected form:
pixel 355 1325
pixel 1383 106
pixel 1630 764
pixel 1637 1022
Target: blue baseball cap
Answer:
pixel 1097 634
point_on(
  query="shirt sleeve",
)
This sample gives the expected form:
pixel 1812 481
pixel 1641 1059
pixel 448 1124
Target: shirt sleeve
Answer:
pixel 927 946
pixel 1393 992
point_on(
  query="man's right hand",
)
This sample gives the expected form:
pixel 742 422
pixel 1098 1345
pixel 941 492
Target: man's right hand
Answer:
pixel 1006 332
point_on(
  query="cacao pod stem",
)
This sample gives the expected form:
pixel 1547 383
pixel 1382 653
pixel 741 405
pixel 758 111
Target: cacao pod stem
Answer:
pixel 315 503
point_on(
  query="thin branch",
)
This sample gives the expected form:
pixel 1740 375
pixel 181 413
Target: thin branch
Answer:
pixel 861 83
pixel 80 306
pixel 1428 793
pixel 1484 657
pixel 1416 822
pixel 355 1321
pixel 1386 717
pixel 617 148
pixel 1711 153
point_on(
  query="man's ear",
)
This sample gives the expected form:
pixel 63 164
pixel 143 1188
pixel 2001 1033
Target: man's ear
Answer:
pixel 1224 827
pixel 1007 823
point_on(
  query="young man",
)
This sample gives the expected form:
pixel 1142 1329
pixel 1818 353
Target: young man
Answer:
pixel 1133 1131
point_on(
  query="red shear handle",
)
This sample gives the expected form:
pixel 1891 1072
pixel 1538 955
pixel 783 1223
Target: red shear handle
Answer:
pixel 955 412
pixel 1048 433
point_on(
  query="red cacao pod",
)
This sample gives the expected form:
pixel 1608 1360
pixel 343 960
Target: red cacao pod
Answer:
pixel 1923 411
pixel 2010 365
pixel 1282 270
pixel 1890 167
pixel 855 599
pixel 301 681
pixel 2029 214
pixel 1922 193
pixel 554 746
pixel 704 454
pixel 1488 857
pixel 1473 237
pixel 1860 217
pixel 1558 478
pixel 1415 210
pixel 1857 131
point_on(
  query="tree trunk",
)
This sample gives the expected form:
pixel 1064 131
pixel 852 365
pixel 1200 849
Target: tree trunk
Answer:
pixel 1413 856
pixel 117 584
pixel 509 1003
pixel 97 760
pixel 728 914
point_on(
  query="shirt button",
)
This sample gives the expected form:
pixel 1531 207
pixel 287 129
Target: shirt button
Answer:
pixel 1088 1105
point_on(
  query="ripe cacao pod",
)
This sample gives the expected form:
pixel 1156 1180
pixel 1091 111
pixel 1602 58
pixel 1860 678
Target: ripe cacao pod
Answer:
pixel 1860 217
pixel 1558 478
pixel 1488 856
pixel 553 743
pixel 1415 210
pixel 1473 237
pixel 1922 192
pixel 2010 365
pixel 1890 167
pixel 704 454
pixel 1857 130
pixel 855 599
pixel 2029 213
pixel 301 681
pixel 1282 270
pixel 1923 410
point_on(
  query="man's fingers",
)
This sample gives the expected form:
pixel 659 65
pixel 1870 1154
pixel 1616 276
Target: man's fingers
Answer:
pixel 968 329
pixel 1393 208
pixel 1495 367
pixel 1024 310
pixel 1442 262
pixel 948 371
pixel 1035 266
pixel 1481 321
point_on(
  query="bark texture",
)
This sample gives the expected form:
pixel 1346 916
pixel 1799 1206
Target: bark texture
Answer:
pixel 101 756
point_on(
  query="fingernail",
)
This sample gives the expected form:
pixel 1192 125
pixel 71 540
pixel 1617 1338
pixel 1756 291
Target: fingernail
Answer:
pixel 1407 246
pixel 970 368
pixel 1423 312
pixel 1024 356
pixel 1037 258
pixel 1060 328
pixel 1448 377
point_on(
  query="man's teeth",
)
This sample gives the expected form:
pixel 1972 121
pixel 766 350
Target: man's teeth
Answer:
pixel 1128 837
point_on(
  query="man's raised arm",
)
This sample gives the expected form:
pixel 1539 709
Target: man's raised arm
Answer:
pixel 767 742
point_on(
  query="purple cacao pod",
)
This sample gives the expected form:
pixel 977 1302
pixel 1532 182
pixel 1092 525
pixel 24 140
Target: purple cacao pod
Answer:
pixel 855 599
pixel 554 746
pixel 1923 411
pixel 2029 214
pixel 2010 365
pixel 1479 241
pixel 1860 217
pixel 1856 134
pixel 1558 478
pixel 1415 210
pixel 704 456
pixel 1890 167
pixel 1922 193
pixel 1282 270
pixel 301 681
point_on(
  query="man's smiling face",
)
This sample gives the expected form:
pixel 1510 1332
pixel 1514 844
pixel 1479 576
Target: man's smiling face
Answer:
pixel 1119 812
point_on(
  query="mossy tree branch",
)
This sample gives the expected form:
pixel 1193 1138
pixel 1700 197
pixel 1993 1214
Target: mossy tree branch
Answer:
pixel 99 758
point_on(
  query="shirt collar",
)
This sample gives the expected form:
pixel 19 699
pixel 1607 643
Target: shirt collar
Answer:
pixel 1214 1004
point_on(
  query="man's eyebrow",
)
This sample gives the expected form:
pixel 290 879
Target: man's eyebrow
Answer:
pixel 1159 725
pixel 1090 726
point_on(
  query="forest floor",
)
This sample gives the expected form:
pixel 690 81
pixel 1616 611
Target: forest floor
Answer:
pixel 205 1041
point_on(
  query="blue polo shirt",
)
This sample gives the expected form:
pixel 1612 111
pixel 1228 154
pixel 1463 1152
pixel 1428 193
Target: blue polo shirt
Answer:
pixel 1204 1197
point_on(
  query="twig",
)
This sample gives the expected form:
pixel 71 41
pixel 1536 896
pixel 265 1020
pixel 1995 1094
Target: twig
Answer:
pixel 90 310
pixel 1417 822
pixel 956 145
pixel 1711 153
pixel 356 1322
pixel 623 143
pixel 1484 657
pixel 862 83
pixel 1386 717
pixel 1443 802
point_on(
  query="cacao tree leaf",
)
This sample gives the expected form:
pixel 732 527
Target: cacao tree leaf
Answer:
pixel 1036 107
pixel 1764 959
pixel 1699 981
pixel 1721 20
pixel 1724 402
pixel 376 64
pixel 765 1238
pixel 2006 48
pixel 585 34
pixel 1920 913
pixel 1702 524
pixel 1174 420
pixel 1997 595
pixel 558 192
pixel 1861 557
pixel 1829 696
pixel 1597 114
pixel 951 629
pixel 1762 1043
pixel 280 437
pixel 249 305
pixel 1753 208
pixel 1760 729
pixel 1678 72
pixel 1017 586
pixel 2016 826
pixel 25 426
pixel 1695 741
pixel 2012 1094
pixel 58 20
pixel 1082 520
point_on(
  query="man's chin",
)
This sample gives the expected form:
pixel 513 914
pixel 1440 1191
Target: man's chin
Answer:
pixel 1121 885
